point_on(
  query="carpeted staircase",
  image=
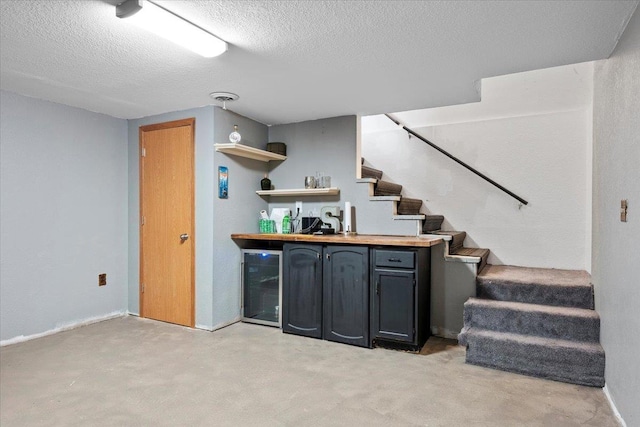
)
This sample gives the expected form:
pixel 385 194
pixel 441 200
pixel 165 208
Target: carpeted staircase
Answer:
pixel 537 322
pixel 532 321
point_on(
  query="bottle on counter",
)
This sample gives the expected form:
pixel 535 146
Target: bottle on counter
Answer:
pixel 286 225
pixel 265 183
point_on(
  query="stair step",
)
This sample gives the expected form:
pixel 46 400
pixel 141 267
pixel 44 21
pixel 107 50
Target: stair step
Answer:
pixel 417 217
pixel 368 172
pixel 409 206
pixel 432 223
pixel 481 253
pixel 567 323
pixel 384 198
pixel 457 239
pixel 385 188
pixel 556 359
pixel 566 288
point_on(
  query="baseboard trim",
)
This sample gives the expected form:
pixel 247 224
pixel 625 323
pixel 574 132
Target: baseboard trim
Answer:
pixel 203 327
pixel 63 327
pixel 225 324
pixel 441 332
pixel 616 413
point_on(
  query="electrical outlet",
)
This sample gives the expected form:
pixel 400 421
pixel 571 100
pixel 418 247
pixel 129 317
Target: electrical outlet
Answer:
pixel 102 279
pixel 298 209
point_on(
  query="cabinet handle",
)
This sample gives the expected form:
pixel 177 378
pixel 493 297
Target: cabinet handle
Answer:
pixel 377 288
pixel 328 257
pixel 394 260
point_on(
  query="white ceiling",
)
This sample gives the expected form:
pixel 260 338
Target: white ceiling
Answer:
pixel 296 60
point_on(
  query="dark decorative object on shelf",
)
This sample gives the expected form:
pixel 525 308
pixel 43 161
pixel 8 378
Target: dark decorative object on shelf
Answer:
pixel 277 147
pixel 265 183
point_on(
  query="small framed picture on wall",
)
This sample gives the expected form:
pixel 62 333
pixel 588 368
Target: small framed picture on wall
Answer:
pixel 223 182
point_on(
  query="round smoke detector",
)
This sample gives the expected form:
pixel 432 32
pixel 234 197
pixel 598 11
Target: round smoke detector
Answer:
pixel 224 97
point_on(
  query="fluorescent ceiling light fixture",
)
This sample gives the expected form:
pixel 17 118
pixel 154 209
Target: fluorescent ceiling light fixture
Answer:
pixel 170 26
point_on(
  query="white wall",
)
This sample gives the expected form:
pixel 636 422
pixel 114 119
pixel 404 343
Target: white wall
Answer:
pixel 616 245
pixel 532 134
pixel 63 204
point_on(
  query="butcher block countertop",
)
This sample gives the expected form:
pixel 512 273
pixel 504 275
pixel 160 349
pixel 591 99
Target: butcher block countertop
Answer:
pixel 341 239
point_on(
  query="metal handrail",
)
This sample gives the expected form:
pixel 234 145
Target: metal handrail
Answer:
pixel 460 162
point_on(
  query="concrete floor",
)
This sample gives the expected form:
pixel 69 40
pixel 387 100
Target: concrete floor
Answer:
pixel 130 371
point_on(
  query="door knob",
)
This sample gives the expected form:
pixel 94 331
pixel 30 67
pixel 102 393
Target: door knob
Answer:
pixel 184 237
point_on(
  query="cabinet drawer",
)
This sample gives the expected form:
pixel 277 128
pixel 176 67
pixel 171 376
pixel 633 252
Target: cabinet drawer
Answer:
pixel 395 259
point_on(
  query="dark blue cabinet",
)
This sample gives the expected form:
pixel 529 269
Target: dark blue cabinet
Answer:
pixel 302 290
pixel 346 295
pixel 393 305
pixel 400 297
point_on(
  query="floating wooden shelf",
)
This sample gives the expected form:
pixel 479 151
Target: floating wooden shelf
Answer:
pixel 248 152
pixel 300 192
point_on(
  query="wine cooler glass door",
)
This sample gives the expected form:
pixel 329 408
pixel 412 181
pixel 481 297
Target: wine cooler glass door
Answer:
pixel 261 287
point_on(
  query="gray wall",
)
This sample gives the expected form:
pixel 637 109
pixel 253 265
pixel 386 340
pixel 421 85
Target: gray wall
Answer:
pixel 327 145
pixel 217 257
pixel 330 146
pixel 204 209
pixel 616 245
pixel 63 204
pixel 237 214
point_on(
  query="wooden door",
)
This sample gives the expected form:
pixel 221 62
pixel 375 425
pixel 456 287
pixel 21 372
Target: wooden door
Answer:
pixel 167 222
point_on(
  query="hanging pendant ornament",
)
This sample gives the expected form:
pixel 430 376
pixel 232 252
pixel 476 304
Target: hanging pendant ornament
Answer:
pixel 235 136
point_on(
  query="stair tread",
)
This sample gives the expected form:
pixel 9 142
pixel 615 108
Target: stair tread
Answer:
pixel 538 308
pixel 369 172
pixel 408 206
pixel 574 362
pixel 415 217
pixel 452 233
pixel 384 198
pixel 386 188
pixel 366 180
pixel 432 223
pixel 479 252
pixel 586 346
pixel 537 276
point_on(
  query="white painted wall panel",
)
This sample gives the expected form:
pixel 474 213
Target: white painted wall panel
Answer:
pixel 524 136
pixel 616 245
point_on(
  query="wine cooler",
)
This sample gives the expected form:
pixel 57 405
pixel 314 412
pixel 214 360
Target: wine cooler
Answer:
pixel 262 286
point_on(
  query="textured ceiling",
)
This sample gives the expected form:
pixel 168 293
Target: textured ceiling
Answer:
pixel 296 60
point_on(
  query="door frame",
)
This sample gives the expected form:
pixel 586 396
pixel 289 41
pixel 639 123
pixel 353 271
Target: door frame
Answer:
pixel 159 126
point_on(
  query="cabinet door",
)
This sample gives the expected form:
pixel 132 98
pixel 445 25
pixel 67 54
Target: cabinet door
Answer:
pixel 346 295
pixel 302 290
pixel 394 305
